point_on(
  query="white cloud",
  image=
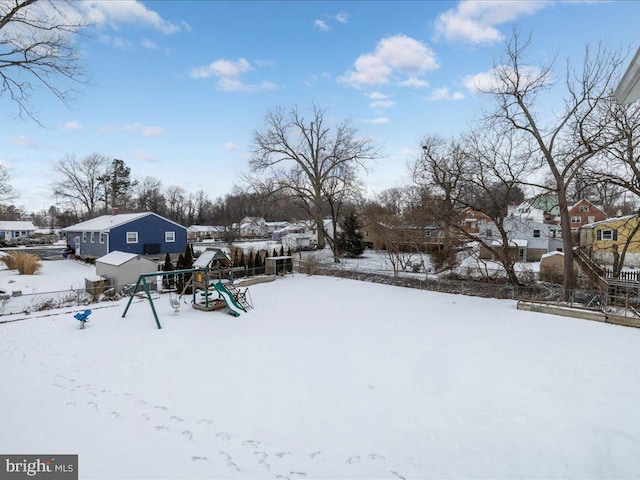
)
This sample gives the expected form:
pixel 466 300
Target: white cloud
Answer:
pixel 228 73
pixel 342 17
pixel 321 25
pixel 146 43
pixel 125 11
pixel 229 147
pixel 144 156
pixel 490 81
pixel 22 141
pixel 377 121
pixel 136 127
pixel 377 96
pixel 475 22
pixel 393 56
pixel 443 94
pixel 414 82
pixel 382 104
pixel 72 126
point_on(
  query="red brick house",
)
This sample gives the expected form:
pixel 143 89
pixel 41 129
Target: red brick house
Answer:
pixel 585 212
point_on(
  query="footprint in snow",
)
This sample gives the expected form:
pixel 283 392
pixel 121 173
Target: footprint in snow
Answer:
pixel 250 443
pixel 144 416
pixel 298 475
pixel 199 459
pixel 161 428
pixel 314 454
pixel 263 463
pixel 262 455
pixel 188 435
pixel 397 475
pixel 375 456
pixel 115 414
pixel 283 454
pixel 354 459
pixel 160 407
pixel 176 419
pixel 223 436
pixel 205 421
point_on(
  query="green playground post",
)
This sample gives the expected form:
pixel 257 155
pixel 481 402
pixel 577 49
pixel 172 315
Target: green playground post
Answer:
pixel 143 278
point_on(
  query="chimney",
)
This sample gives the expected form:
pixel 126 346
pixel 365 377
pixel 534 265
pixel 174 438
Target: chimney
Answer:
pixel 114 211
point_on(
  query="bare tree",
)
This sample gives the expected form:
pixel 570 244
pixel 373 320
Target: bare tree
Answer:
pixel 301 158
pixel 37 50
pixel 79 186
pixel 479 173
pixel 6 190
pixel 566 139
pixel 149 196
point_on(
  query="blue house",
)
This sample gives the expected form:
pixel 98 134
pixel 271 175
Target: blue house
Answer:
pixel 13 230
pixel 141 233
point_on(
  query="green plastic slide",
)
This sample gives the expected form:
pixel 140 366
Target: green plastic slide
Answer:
pixel 235 307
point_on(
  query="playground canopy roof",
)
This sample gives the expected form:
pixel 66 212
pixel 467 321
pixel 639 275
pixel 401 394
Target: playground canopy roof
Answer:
pixel 208 256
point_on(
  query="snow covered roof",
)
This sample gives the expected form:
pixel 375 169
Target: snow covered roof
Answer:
pixel 116 258
pixel 105 223
pixel 551 254
pixel 15 225
pixel 208 256
pixel 609 220
pixel 516 242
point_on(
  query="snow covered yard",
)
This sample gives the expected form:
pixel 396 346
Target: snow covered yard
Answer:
pixel 326 378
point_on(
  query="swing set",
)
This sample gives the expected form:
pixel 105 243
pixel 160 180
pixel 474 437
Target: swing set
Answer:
pixel 237 301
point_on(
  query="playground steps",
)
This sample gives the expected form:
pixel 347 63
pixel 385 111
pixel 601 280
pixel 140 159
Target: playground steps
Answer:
pixel 240 296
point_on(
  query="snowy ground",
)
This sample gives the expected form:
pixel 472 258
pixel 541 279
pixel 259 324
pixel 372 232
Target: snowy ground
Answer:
pixel 326 378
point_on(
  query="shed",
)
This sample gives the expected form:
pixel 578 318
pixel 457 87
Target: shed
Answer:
pixel 278 265
pixel 124 268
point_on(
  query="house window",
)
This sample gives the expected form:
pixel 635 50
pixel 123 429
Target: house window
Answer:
pixel 132 237
pixel 102 237
pixel 93 237
pixel 583 208
pixel 536 234
pixel 576 220
pixel 169 237
pixel 608 234
pixel 84 236
pixel 489 233
pixel 591 219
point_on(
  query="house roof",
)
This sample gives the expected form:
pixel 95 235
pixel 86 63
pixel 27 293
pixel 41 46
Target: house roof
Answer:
pixel 117 258
pixel 15 225
pixel 105 223
pixel 516 242
pixel 608 220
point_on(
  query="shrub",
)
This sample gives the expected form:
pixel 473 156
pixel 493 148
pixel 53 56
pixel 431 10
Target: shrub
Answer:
pixel 24 263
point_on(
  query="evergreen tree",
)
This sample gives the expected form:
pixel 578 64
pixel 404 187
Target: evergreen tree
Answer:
pixel 350 241
pixel 188 257
pixel 282 250
pixel 250 263
pixel 257 264
pixel 167 281
pixel 275 253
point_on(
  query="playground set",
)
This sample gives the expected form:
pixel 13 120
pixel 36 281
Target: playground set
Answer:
pixel 203 286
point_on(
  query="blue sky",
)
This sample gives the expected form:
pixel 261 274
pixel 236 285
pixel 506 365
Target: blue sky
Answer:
pixel 178 87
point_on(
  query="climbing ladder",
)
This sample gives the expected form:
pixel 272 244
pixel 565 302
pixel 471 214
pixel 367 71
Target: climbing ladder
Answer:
pixel 242 296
